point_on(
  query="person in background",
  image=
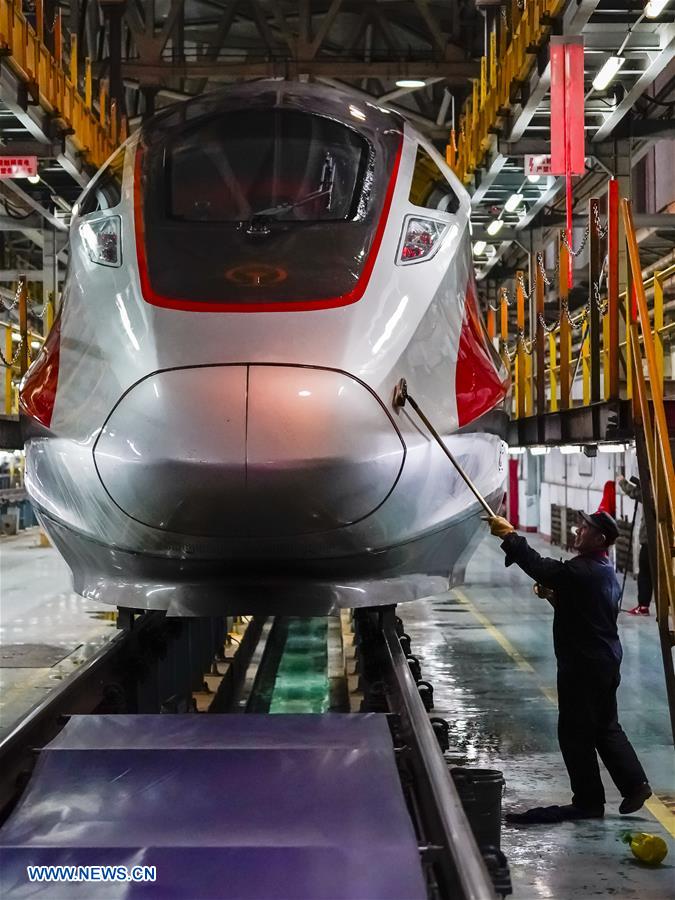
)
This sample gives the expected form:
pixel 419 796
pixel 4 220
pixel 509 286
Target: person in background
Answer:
pixel 633 490
pixel 588 651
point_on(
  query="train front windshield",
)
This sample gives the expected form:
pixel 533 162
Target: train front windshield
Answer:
pixel 262 205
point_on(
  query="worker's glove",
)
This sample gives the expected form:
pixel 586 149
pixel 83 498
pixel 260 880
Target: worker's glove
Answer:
pixel 500 526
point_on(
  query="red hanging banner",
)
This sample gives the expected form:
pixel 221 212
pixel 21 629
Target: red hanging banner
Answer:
pixel 567 106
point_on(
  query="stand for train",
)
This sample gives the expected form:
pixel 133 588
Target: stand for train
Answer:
pixel 258 747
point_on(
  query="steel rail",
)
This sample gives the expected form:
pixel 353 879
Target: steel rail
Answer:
pixel 472 879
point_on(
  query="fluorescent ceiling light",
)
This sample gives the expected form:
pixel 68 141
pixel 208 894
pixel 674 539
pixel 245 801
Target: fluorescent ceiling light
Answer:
pixel 516 451
pixel 533 179
pixel 494 227
pixel 608 72
pixel 540 451
pixel 34 179
pixel 479 247
pixel 513 202
pixel 611 448
pixel 654 8
pixel 411 83
pixel 570 448
pixel 16 337
pixel 35 344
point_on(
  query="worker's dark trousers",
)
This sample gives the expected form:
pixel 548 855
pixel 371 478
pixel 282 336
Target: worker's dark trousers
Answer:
pixel 644 579
pixel 588 723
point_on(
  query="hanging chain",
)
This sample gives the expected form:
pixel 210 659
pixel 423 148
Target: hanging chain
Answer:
pixel 542 270
pixel 521 281
pixel 563 237
pixel 9 364
pixel 17 295
pixel 599 227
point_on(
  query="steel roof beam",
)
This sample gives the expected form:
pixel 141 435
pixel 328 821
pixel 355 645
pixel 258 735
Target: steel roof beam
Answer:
pixel 159 73
pixel 657 64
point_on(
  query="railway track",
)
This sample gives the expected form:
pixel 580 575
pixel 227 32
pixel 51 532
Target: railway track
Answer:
pixel 279 666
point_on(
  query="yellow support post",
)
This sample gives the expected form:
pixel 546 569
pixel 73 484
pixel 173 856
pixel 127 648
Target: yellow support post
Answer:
pixel 73 60
pixel 553 404
pixel 520 347
pixel 40 20
pixel 58 39
pixel 493 60
pixel 504 331
pixel 48 320
pixel 9 353
pixel 529 380
pixel 605 355
pixel 658 323
pixel 87 83
pixel 23 325
pixel 483 80
pixel 565 335
pixel 540 336
pixel 663 437
pixel 585 350
pixel 102 98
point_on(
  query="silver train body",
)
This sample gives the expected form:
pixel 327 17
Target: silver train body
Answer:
pixel 209 427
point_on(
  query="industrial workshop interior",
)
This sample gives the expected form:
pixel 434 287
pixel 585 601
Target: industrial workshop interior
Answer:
pixel 337 569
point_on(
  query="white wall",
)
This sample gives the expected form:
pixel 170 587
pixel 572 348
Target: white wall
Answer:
pixel 571 480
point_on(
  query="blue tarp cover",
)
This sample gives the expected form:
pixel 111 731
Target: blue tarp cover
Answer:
pixel 307 807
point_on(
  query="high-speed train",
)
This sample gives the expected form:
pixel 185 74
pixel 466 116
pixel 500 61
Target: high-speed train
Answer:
pixel 210 426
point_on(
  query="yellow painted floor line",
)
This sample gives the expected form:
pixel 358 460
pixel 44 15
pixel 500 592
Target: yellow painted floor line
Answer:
pixel 656 807
pixel 661 813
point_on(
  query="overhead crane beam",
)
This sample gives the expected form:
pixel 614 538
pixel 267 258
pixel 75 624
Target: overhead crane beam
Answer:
pixel 158 73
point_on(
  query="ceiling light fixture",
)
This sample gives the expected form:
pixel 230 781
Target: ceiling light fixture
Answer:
pixel 516 451
pixel 654 8
pixel 34 179
pixel 513 202
pixel 611 448
pixel 411 83
pixel 533 179
pixel 540 451
pixel 479 247
pixel 494 227
pixel 570 448
pixel 607 73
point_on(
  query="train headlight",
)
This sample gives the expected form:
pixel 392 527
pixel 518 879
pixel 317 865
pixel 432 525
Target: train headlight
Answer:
pixel 420 239
pixel 102 240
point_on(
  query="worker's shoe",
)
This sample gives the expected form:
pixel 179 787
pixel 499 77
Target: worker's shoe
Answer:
pixel 639 611
pixel 635 800
pixel 551 815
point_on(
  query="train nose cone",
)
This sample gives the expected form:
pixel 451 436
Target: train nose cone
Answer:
pixel 255 451
pixel 321 452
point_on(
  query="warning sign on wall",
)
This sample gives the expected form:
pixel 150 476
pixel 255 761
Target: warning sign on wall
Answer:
pixel 18 166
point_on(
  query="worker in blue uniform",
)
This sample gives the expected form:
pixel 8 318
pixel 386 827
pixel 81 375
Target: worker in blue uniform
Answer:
pixel 584 592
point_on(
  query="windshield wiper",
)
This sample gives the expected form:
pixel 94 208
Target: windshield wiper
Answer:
pixel 285 207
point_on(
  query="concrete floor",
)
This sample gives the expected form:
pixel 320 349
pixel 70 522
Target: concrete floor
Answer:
pixel 38 607
pixel 487 649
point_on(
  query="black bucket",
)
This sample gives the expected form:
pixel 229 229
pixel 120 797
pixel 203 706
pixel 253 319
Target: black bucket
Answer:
pixel 480 791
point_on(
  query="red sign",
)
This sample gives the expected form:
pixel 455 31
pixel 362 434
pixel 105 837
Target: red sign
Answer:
pixel 18 166
pixel 567 106
pixel 537 164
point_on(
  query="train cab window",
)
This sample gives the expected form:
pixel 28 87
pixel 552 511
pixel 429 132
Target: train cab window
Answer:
pixel 106 191
pixel 287 166
pixel 430 188
pixel 267 204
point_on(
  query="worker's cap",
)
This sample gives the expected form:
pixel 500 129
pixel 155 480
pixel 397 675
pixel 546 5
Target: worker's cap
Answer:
pixel 603 522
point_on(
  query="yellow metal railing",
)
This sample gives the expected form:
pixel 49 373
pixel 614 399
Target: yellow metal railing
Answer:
pixel 649 415
pixel 54 85
pixel 543 363
pixel 515 46
pixel 19 346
